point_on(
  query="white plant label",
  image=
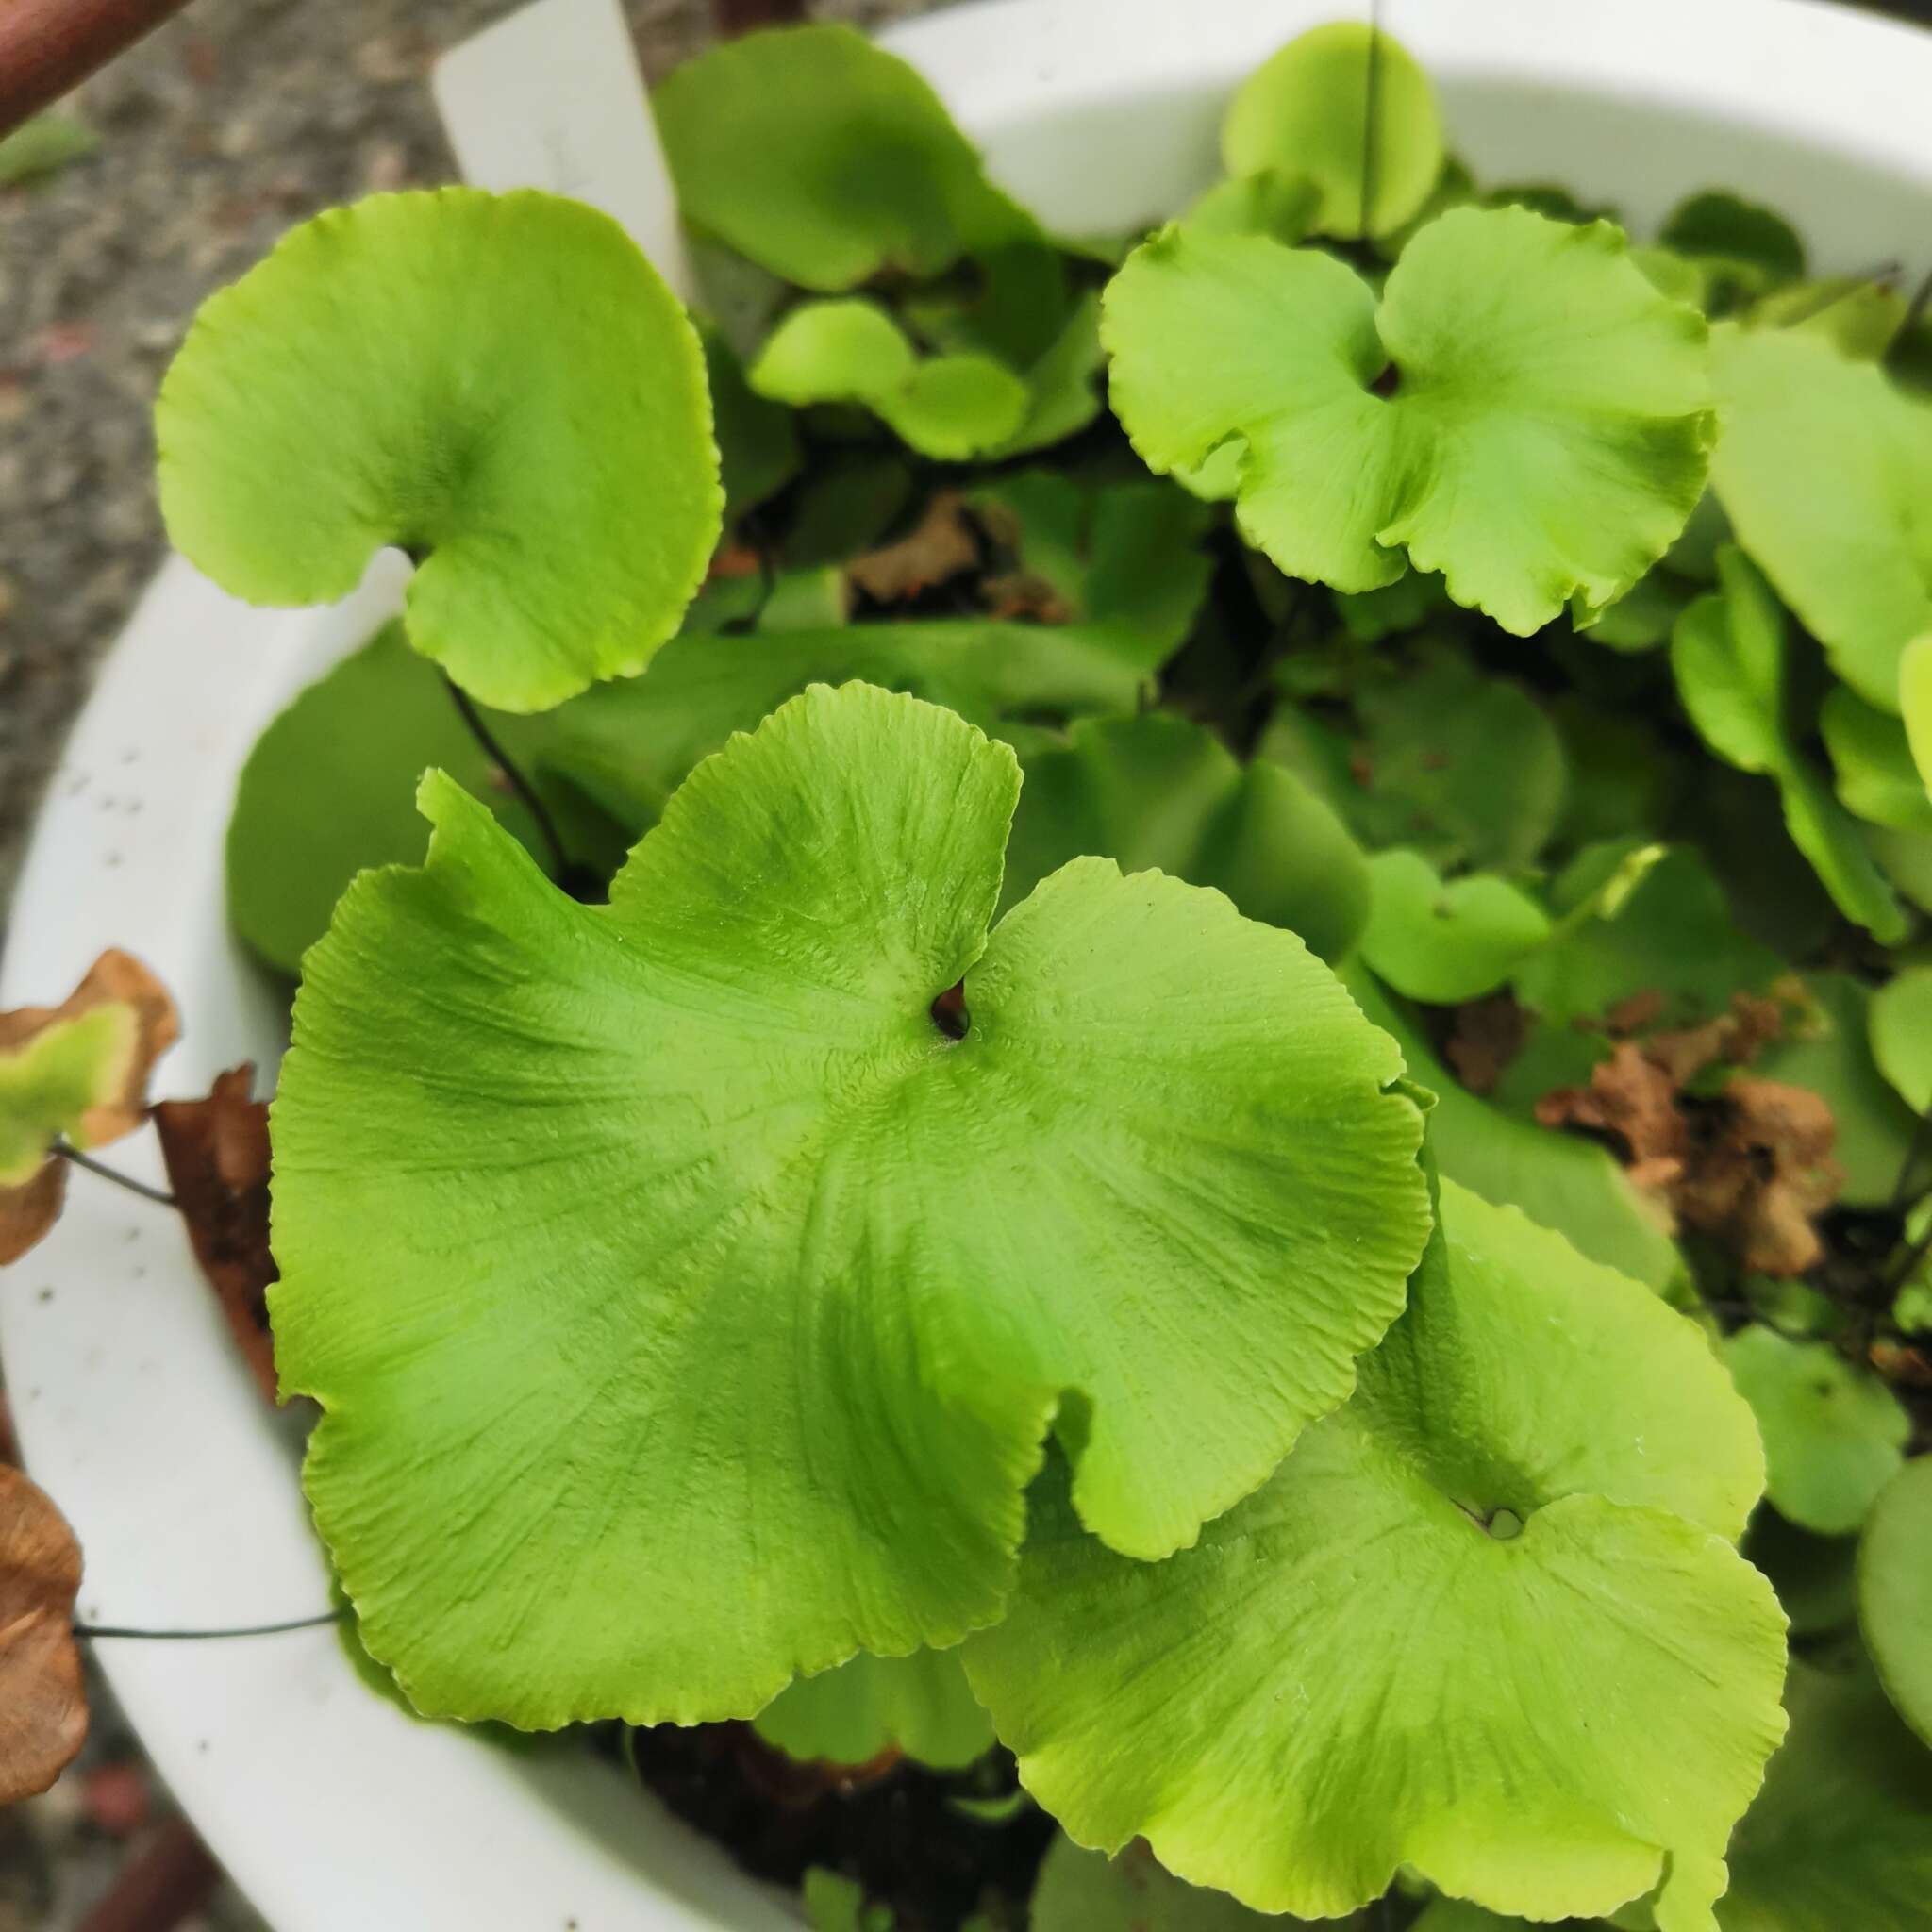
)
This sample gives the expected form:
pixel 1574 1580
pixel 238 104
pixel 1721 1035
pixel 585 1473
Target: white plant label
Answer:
pixel 552 98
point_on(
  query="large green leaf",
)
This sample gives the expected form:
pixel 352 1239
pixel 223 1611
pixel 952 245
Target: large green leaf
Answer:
pixel 1840 1838
pixel 1346 110
pixel 1730 654
pixel 1161 792
pixel 827 161
pixel 1825 467
pixel 1544 440
pixel 1895 1602
pixel 1833 1432
pixel 1485 1621
pixel 921 1705
pixel 500 385
pixel 688 1305
pixel 1566 1183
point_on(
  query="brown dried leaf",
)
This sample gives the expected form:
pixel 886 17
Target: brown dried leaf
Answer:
pixel 1630 1099
pixel 940 545
pixel 27 1212
pixel 217 1154
pixel 1762 1174
pixel 1022 595
pixel 115 978
pixel 1484 1036
pixel 42 1698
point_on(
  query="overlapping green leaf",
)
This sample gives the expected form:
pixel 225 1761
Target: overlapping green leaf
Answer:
pixel 1087 1891
pixel 1901 1024
pixel 682 1298
pixel 1443 942
pixel 1543 441
pixel 1346 110
pixel 1730 654
pixel 1896 1599
pixel 1160 791
pixel 921 1705
pixel 51 1081
pixel 1871 756
pixel 1486 1621
pixel 827 160
pixel 1823 468
pixel 508 390
pixel 1834 1434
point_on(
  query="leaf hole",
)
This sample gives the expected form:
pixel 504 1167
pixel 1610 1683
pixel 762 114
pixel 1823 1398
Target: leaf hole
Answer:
pixel 1388 382
pixel 1505 1525
pixel 949 1012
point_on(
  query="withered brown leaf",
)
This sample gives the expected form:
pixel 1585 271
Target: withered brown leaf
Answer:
pixel 217 1154
pixel 42 1696
pixel 940 545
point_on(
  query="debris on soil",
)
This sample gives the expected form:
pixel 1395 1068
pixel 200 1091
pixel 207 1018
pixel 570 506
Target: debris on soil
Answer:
pixel 940 546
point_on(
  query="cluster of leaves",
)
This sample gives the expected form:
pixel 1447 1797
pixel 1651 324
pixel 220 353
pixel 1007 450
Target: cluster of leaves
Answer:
pixel 1269 1268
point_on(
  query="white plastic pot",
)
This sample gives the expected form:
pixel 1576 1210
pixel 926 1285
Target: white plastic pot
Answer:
pixel 335 1812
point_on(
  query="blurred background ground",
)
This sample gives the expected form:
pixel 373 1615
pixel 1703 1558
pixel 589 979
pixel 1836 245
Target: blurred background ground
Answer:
pixel 236 120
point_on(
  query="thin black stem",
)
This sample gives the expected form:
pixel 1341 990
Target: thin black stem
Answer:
pixel 1371 107
pixel 526 791
pixel 160 1196
pixel 1873 277
pixel 95 1632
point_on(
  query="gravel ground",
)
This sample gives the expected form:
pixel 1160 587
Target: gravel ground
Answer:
pixel 235 121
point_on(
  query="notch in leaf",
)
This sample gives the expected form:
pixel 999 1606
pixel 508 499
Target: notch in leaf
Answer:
pixel 687 1306
pixel 1487 1621
pixel 501 386
pixel 1522 412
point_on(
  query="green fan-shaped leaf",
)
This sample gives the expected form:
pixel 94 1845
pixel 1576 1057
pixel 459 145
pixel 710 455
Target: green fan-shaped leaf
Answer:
pixel 1829 1049
pixel 1564 1182
pixel 1901 1024
pixel 1466 768
pixel 330 787
pixel 500 385
pixel 921 1705
pixel 1672 933
pixel 1840 1837
pixel 1485 1621
pixel 1161 792
pixel 1741 248
pixel 1443 942
pixel 1895 1601
pixel 1833 1432
pixel 1729 653
pixel 1347 111
pixel 51 1081
pixel 850 351
pixel 763 1288
pixel 827 161
pixel 1823 467
pixel 1871 756
pixel 1087 1891
pixel 630 746
pixel 1542 444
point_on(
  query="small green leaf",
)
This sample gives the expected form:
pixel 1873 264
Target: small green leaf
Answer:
pixel 55 1077
pixel 850 351
pixel 1743 247
pixel 1161 792
pixel 1545 442
pixel 1062 384
pixel 1672 933
pixel 501 386
pixel 1833 1432
pixel 1901 1021
pixel 1823 468
pixel 1283 206
pixel 831 1272
pixel 1354 1669
pixel 1569 1184
pixel 1346 109
pixel 1828 1050
pixel 1087 1891
pixel 827 161
pixel 1872 759
pixel 44 146
pixel 834 1903
pixel 1895 1595
pixel 1730 656
pixel 1840 1837
pixel 1443 942
pixel 921 1705
pixel 758 441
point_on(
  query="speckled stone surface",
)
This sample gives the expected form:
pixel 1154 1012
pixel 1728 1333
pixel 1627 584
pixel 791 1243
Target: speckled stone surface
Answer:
pixel 234 121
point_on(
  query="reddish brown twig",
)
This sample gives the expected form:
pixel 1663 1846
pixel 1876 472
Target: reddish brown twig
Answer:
pixel 159 1887
pixel 48 46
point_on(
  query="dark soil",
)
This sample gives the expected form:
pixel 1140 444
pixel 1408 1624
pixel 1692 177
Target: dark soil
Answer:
pixel 895 1827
